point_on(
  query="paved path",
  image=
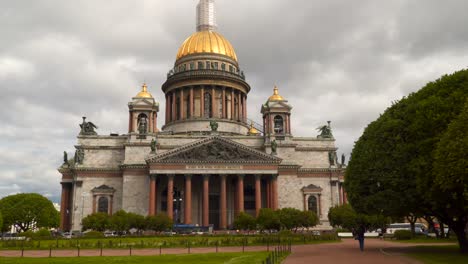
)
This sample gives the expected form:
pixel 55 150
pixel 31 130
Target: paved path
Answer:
pixel 375 252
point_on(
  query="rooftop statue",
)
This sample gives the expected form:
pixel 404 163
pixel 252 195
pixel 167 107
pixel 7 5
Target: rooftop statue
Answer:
pixel 87 128
pixel 325 131
pixel 274 147
pixel 65 157
pixel 153 145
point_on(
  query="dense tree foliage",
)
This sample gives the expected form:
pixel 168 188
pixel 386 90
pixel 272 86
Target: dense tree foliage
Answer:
pixel 97 221
pixel 28 210
pixel 345 216
pixel 160 222
pixel 268 219
pixel 451 174
pixel 120 221
pixel 1 222
pixel 245 221
pixel 391 170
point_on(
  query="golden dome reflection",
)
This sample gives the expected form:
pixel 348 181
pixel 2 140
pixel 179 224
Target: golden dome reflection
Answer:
pixel 144 92
pixel 206 42
pixel 276 96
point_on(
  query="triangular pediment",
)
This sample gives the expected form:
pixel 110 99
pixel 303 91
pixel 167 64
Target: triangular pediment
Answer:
pixel 214 150
pixel 143 102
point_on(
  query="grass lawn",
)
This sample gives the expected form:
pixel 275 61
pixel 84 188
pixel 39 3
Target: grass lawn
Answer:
pixel 231 258
pixel 165 242
pixel 438 255
pixel 427 240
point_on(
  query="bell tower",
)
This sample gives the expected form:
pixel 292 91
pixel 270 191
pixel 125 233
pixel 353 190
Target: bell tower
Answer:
pixel 143 113
pixel 277 116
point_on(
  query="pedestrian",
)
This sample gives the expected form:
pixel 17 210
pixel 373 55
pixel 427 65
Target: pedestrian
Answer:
pixel 360 236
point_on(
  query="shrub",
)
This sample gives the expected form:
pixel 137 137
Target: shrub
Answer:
pixel 93 234
pixel 244 221
pixel 403 235
pixel 43 233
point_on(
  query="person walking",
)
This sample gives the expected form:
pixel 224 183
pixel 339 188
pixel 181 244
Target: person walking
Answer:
pixel 360 236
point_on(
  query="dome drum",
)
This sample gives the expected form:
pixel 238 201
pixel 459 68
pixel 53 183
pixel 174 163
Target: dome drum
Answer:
pixel 202 126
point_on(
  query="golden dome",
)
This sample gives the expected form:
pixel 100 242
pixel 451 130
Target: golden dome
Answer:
pixel 207 42
pixel 276 96
pixel 144 92
pixel 253 130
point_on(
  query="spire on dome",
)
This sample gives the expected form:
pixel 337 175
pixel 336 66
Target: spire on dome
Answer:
pixel 144 92
pixel 206 15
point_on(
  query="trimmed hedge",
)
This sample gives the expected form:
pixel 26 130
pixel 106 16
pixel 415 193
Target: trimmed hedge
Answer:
pixel 403 235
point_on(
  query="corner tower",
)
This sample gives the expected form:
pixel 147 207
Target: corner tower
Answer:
pixel 206 83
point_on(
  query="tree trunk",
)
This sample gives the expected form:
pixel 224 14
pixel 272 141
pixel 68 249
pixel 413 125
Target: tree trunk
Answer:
pixel 442 229
pixel 430 221
pixel 412 220
pixel 459 230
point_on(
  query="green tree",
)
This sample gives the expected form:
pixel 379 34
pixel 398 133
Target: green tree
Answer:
pixel 343 216
pixel 244 221
pixel 158 223
pixel 97 222
pixel 451 175
pixel 119 221
pixel 28 210
pixel 308 219
pixel 289 218
pixel 391 170
pixel 136 221
pixel 268 219
pixel 1 222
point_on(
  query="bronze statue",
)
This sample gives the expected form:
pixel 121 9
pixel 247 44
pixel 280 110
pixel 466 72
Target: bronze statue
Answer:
pixel 325 131
pixel 274 147
pixel 87 128
pixel 343 159
pixel 65 157
pixel 214 126
pixel 153 146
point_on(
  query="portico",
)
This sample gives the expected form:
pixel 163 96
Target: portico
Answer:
pixel 195 186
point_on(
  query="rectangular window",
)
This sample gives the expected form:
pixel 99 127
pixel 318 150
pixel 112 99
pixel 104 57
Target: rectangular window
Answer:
pixel 208 65
pixel 192 66
pixel 231 69
pixel 216 66
pixel 200 65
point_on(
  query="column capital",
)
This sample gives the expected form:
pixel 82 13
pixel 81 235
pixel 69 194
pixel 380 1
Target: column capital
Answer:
pixel 258 177
pixel 188 176
pixel 206 176
pixel 170 176
pixel 274 176
pixel 241 176
pixel 153 176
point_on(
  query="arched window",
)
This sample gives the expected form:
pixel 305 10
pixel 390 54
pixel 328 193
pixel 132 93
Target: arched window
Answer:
pixel 220 106
pixel 177 105
pixel 312 204
pixel 103 205
pixel 142 123
pixel 208 111
pixel 279 125
pixel 236 109
pixel 187 107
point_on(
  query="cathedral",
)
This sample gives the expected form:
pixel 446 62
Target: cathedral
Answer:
pixel 209 161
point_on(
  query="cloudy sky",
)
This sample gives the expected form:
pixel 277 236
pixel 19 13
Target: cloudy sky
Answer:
pixel 338 60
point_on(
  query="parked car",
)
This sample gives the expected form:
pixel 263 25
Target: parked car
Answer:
pixel 419 228
pixel 110 234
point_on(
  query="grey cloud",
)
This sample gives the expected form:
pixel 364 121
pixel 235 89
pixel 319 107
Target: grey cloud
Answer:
pixel 343 61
